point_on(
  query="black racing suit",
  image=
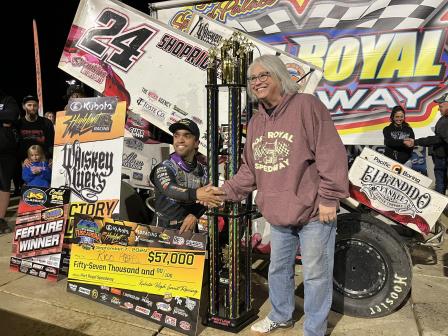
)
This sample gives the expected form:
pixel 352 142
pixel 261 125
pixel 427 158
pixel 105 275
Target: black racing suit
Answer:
pixel 176 192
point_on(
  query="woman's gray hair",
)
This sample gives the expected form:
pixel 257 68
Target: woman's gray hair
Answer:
pixel 278 71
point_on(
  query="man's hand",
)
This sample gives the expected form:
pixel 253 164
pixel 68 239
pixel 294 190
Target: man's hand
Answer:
pixel 188 224
pixel 327 214
pixel 210 196
pixel 409 142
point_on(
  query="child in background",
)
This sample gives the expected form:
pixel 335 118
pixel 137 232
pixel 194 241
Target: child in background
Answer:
pixel 39 173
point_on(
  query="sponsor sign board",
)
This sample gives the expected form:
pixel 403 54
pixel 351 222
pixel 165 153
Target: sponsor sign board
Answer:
pixel 139 269
pixel 395 196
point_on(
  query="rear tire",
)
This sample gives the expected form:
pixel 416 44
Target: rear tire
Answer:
pixel 372 267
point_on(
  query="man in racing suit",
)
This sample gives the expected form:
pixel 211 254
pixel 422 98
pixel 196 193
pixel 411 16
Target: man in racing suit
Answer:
pixel 181 180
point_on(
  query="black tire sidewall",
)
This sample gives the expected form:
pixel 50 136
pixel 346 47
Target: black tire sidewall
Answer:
pixel 386 242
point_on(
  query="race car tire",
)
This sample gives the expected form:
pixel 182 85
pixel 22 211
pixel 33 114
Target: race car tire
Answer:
pixel 372 267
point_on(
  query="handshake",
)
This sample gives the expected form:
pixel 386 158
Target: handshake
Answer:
pixel 210 196
pixel 408 142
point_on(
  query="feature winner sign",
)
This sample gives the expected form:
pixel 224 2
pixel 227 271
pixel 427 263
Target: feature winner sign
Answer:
pixel 88 149
pixel 395 196
pixel 39 232
pixel 147 271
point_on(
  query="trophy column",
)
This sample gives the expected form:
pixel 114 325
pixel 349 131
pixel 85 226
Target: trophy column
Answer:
pixel 230 305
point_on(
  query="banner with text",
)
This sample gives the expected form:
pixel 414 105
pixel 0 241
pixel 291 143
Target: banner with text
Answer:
pixel 147 271
pixel 39 232
pixel 374 54
pixel 88 149
pixel 99 53
pixel 395 196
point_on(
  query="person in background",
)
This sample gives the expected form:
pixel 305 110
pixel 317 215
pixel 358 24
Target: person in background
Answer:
pixel 439 143
pixel 50 116
pixel 38 174
pixel 9 114
pixel 394 135
pixel 74 91
pixel 34 129
pixel 295 159
pixel 181 181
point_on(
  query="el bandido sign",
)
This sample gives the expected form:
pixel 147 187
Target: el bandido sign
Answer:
pixel 395 196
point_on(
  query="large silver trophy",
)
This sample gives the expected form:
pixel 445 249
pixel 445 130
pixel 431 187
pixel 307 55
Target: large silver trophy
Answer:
pixel 230 305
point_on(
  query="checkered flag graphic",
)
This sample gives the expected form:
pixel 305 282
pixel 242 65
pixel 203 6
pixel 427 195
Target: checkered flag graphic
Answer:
pixel 379 15
pixel 282 148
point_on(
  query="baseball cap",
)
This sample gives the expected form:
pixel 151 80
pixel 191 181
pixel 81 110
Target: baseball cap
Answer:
pixel 28 98
pixel 442 99
pixel 185 124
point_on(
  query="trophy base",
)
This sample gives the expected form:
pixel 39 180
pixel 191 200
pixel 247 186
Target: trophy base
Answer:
pixel 234 325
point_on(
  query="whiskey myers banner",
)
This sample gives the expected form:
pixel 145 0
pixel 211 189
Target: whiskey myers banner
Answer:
pixel 374 54
pixel 159 71
pixel 147 271
pixel 39 231
pixel 395 196
pixel 88 149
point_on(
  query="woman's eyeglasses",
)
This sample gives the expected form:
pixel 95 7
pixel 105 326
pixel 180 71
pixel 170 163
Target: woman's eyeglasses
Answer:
pixel 261 77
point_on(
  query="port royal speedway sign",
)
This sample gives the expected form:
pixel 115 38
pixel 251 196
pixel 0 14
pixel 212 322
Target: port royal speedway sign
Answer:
pixel 159 71
pixel 395 196
pixel 374 54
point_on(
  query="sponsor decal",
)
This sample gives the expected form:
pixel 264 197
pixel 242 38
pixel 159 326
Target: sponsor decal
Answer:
pixel 134 144
pixel 393 192
pixel 34 197
pixel 130 161
pixel 180 312
pixel 16 261
pixel 42 274
pixel 52 214
pixel 142 310
pixel 202 31
pixel 105 288
pixel 84 290
pixel 89 116
pixel 163 306
pixel 87 232
pixel 167 297
pixel 195 244
pixel 115 291
pixel 115 300
pixel 178 240
pixel 130 296
pixel 185 325
pixel 183 50
pixel 38 267
pixel 39 236
pixel 94 294
pixel 51 270
pixel 115 234
pixel 129 305
pixel 104 297
pixel 148 302
pixel 190 304
pixel 33 272
pixel 156 315
pixel 86 170
pixel 170 320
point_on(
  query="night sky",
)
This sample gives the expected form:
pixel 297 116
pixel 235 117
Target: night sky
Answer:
pixel 17 70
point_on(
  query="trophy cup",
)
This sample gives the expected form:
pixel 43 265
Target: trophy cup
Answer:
pixel 230 305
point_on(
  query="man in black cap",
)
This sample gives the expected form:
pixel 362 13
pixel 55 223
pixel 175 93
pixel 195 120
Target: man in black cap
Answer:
pixel 181 180
pixel 34 129
pixel 439 143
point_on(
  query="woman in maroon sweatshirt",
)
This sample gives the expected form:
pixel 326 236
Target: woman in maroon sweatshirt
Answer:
pixel 294 157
